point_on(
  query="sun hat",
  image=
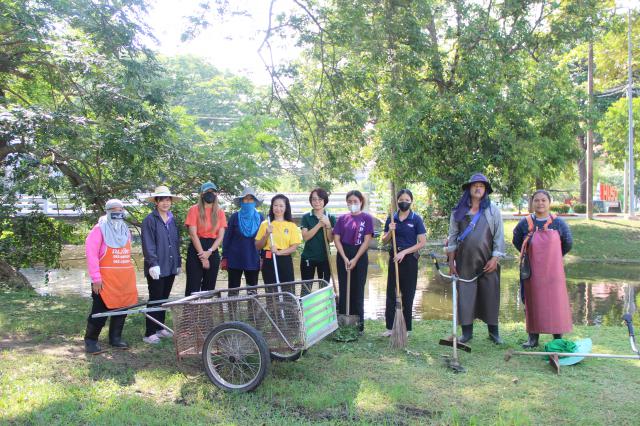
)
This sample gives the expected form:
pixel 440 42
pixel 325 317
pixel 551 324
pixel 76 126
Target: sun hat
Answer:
pixel 247 191
pixel 478 177
pixel 113 203
pixel 162 191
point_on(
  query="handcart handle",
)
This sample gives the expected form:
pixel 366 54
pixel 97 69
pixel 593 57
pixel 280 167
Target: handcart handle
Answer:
pixel 627 318
pixel 437 265
pixel 435 260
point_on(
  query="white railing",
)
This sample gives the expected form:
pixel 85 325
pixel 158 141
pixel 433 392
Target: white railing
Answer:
pixel 63 206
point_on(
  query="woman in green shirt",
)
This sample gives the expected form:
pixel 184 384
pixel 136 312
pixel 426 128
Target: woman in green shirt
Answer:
pixel 314 257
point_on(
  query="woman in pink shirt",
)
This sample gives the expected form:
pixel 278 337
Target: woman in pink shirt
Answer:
pixel 113 278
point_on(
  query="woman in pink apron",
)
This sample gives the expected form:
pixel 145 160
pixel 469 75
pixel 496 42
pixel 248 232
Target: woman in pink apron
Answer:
pixel 546 239
pixel 113 277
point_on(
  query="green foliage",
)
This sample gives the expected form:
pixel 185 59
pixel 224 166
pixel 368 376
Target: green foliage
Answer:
pixel 559 208
pixel 614 129
pixel 580 208
pixel 434 91
pixel 33 239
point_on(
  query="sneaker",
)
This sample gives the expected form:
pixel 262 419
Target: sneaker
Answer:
pixel 386 333
pixel 164 333
pixel 152 340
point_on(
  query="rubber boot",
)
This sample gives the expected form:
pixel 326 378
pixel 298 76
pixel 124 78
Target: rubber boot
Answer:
pixel 115 332
pixel 91 336
pixel 532 342
pixel 494 335
pixel 467 333
pixel 557 336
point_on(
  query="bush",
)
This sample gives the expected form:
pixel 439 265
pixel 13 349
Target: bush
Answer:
pixel 560 208
pixel 580 208
pixel 33 239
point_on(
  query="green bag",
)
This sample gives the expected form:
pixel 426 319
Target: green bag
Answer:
pixel 560 345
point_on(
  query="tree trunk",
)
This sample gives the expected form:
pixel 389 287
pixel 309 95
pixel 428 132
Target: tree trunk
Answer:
pixel 11 277
pixel 582 168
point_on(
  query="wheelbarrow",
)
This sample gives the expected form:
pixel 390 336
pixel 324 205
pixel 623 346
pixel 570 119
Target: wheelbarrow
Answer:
pixel 238 331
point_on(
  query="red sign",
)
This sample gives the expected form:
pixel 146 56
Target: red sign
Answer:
pixel 608 192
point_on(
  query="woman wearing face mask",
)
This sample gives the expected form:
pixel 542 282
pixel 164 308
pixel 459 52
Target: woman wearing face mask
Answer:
pixel 546 300
pixel 286 238
pixel 113 277
pixel 162 261
pixel 206 223
pixel 238 247
pixel 411 236
pixel 352 234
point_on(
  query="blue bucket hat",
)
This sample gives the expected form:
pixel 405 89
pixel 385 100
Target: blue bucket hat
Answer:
pixel 478 177
pixel 207 186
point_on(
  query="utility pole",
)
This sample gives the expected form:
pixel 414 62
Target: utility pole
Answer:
pixel 589 153
pixel 625 194
pixel 632 213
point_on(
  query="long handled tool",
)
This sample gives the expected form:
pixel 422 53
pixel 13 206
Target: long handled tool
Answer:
pixel 275 266
pixel 632 338
pixel 554 357
pixel 453 362
pixel 398 338
pixel 348 320
pixel 328 249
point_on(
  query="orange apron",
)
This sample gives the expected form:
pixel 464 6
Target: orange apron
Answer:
pixel 118 278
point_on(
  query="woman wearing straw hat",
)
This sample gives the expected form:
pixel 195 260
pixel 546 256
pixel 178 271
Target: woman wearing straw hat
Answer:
pixel 162 261
pixel 113 277
pixel 238 247
pixel 206 222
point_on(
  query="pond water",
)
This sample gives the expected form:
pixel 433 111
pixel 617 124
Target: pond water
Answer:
pixel 599 293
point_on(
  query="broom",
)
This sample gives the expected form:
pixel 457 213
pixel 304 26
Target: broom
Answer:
pixel 398 338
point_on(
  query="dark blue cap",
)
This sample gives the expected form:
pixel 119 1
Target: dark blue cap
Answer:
pixel 478 177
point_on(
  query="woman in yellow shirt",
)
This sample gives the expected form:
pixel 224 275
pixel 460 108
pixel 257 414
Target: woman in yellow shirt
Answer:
pixel 286 238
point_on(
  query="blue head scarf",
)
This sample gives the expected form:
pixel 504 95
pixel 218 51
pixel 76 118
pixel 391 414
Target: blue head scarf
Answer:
pixel 248 219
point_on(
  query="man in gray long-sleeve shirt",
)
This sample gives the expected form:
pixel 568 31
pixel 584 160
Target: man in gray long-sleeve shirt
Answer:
pixel 475 244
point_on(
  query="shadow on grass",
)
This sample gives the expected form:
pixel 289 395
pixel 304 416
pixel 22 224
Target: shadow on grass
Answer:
pixel 364 382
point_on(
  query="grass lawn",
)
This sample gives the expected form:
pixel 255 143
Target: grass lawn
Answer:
pixel 601 240
pixel 45 378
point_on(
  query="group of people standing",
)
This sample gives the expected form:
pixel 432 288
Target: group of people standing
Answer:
pixel 250 242
pixel 475 246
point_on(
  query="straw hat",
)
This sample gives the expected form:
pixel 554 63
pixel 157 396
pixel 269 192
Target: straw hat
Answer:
pixel 163 191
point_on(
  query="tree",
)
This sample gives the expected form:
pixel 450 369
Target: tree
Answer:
pixel 614 129
pixel 445 87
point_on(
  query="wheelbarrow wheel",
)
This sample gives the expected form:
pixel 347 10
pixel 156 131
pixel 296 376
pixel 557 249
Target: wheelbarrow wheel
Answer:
pixel 282 355
pixel 236 357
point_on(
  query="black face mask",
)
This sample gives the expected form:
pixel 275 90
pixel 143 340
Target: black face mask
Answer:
pixel 117 215
pixel 404 205
pixel 208 197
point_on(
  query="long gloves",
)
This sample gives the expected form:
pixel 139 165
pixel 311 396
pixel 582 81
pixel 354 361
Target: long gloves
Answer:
pixel 154 272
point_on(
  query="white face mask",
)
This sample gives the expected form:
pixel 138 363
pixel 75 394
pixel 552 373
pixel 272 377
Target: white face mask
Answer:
pixel 355 208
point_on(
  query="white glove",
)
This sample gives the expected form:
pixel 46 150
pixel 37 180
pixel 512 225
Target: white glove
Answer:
pixel 154 272
pixel 178 271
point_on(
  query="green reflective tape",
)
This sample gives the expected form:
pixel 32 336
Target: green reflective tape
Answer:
pixel 318 319
pixel 320 326
pixel 326 306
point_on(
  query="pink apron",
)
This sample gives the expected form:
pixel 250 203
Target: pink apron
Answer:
pixel 547 307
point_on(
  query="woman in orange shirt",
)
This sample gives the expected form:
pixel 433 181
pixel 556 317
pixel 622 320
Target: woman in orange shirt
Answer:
pixel 206 223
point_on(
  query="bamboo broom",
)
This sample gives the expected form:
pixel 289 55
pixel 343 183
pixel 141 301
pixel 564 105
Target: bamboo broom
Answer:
pixel 398 338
